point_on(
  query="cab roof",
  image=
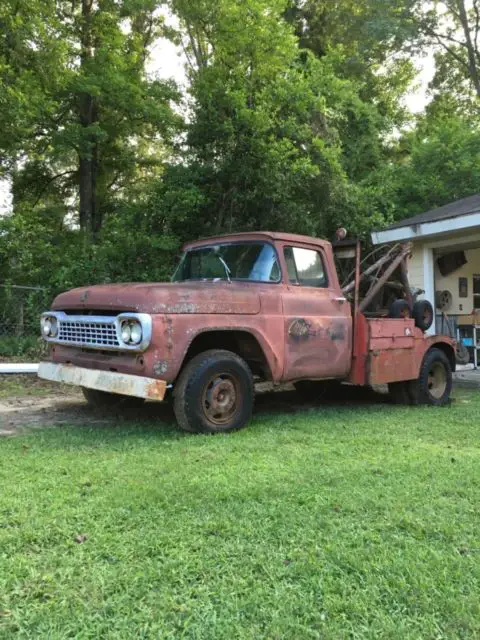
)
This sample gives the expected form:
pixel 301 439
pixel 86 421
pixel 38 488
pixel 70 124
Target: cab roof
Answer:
pixel 257 235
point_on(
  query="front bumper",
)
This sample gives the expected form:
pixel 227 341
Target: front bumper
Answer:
pixel 109 381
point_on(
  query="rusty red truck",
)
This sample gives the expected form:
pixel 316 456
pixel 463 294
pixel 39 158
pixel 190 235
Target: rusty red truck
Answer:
pixel 240 308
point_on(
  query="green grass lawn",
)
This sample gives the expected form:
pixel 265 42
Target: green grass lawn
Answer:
pixel 344 521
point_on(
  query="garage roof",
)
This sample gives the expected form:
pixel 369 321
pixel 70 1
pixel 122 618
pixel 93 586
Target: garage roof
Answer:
pixel 452 210
pixel 433 222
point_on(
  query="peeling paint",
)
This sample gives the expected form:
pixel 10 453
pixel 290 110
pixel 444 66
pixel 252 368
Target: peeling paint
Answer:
pixel 160 367
pixel 161 298
pixel 300 328
pixel 337 331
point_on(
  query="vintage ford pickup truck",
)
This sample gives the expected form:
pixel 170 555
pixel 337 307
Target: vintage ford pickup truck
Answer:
pixel 243 307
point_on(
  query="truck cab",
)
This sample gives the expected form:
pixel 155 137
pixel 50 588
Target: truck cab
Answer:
pixel 240 308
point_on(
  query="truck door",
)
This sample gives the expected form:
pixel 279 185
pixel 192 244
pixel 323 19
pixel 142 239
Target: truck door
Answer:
pixel 318 319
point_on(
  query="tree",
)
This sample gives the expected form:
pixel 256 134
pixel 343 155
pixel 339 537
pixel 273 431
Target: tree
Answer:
pixel 435 164
pixel 260 146
pixel 278 134
pixel 452 27
pixel 82 111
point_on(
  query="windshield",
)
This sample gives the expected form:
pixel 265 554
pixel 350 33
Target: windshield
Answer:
pixel 251 261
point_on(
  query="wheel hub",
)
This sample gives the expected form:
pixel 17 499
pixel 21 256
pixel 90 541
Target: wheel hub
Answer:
pixel 437 380
pixel 220 399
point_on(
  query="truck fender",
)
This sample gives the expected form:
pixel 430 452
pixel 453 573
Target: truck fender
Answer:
pixel 271 358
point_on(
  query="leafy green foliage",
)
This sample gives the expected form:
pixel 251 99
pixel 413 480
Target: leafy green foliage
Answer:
pixel 23 348
pixel 438 163
pixel 292 119
pixel 276 134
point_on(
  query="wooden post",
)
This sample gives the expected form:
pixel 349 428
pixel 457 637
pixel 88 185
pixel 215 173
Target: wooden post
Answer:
pixel 405 282
pixel 21 320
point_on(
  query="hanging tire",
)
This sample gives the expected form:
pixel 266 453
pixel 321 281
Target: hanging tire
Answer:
pixel 423 314
pixel 434 383
pixel 315 390
pixel 399 309
pixel 105 400
pixel 443 300
pixel 462 355
pixel 214 393
pixel 399 392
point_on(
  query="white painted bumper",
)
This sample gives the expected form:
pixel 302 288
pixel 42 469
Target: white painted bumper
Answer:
pixel 109 381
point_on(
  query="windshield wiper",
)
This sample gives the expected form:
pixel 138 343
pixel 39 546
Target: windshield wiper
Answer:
pixel 225 266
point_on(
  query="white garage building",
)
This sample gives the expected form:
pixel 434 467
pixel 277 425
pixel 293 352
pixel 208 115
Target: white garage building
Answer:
pixel 445 263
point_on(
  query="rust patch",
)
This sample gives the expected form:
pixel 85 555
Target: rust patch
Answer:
pixel 156 389
pixel 168 332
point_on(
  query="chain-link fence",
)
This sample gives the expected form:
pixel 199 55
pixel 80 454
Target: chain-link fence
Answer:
pixel 20 309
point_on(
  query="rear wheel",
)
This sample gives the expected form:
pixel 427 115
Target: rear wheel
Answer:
pixel 434 384
pixel 214 393
pixel 105 400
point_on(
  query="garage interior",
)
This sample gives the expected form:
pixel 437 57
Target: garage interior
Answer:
pixel 445 264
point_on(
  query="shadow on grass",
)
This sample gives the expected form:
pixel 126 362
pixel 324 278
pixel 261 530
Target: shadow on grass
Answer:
pixel 293 402
pixel 157 420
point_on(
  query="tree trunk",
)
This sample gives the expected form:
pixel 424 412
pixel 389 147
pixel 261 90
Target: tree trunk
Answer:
pixel 88 115
pixel 472 59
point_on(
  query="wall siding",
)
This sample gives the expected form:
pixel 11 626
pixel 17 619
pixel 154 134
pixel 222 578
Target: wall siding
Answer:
pixel 415 267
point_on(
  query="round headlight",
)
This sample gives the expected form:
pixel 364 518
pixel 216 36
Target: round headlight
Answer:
pixel 136 332
pixel 53 327
pixel 47 327
pixel 126 333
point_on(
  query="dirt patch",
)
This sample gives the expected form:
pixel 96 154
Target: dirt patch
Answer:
pixel 17 413
pixel 20 385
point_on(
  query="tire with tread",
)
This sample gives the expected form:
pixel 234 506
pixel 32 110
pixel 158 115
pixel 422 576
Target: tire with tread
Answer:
pixel 204 374
pixel 399 309
pixel 423 314
pixel 105 400
pixel 462 355
pixel 434 383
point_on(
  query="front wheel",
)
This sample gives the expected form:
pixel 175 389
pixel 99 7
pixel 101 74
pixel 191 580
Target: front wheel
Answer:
pixel 214 393
pixel 434 384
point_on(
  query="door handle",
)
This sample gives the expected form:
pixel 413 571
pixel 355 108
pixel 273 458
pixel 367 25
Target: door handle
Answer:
pixel 341 300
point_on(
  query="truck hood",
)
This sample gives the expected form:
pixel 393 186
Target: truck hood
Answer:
pixel 175 297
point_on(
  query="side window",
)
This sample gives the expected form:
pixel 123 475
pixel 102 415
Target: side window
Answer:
pixel 305 267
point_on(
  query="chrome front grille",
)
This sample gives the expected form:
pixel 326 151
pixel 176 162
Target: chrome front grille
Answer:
pixel 97 332
pixel 91 333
